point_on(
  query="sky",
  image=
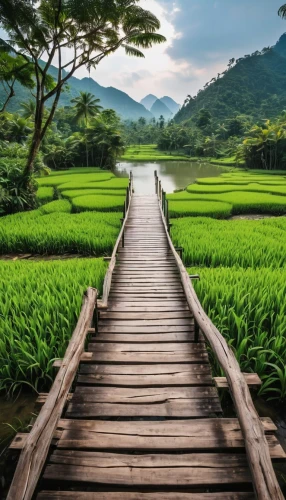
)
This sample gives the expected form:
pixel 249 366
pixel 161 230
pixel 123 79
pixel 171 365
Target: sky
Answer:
pixel 202 35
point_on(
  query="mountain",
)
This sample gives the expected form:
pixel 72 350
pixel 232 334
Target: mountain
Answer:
pixel 171 104
pixel 148 101
pixel 110 97
pixel 255 85
pixel 159 108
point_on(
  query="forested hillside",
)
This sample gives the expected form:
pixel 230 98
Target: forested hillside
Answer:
pixel 110 97
pixel 252 85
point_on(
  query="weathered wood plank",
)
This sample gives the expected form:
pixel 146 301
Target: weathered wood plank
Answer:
pixel 252 380
pixel 59 495
pixel 187 347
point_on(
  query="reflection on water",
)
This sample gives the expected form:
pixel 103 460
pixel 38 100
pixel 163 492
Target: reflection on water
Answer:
pixel 173 174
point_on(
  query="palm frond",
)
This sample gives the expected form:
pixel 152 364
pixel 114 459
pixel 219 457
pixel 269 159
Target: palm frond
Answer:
pixel 132 51
pixel 146 40
pixel 282 11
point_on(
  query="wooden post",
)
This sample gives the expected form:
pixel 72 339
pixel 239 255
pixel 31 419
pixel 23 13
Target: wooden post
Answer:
pixel 167 213
pixel 127 198
pixel 122 240
pixel 163 201
pixel 124 210
pixel 160 191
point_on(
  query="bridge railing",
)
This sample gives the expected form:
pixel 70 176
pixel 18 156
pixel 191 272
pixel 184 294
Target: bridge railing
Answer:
pixel 265 484
pixel 120 240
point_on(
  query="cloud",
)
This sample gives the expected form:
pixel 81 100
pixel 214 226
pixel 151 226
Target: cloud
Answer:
pixel 216 30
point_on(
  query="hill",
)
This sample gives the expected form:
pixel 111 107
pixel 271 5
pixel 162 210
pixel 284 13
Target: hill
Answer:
pixel 148 101
pixel 159 108
pixel 171 104
pixel 110 97
pixel 253 85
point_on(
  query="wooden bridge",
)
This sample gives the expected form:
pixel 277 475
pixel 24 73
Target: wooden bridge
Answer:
pixel 144 420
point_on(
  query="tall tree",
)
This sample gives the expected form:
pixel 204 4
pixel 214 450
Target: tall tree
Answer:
pixel 87 30
pixel 85 106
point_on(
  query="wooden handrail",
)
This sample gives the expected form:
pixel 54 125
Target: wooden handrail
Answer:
pixel 36 448
pixel 109 272
pixel 265 484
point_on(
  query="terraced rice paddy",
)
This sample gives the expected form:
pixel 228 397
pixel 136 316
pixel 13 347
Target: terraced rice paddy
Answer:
pixel 239 193
pixel 40 301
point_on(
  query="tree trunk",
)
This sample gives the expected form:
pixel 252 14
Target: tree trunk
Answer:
pixel 10 95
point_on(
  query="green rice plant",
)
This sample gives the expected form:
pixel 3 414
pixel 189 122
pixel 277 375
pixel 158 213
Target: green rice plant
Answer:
pixel 45 194
pixel 88 233
pixel 239 243
pixel 56 206
pixel 74 193
pixel 214 209
pixel 249 309
pixel 243 202
pixel 57 180
pixel 226 188
pixel 77 170
pixel 114 184
pixel 99 203
pixel 40 303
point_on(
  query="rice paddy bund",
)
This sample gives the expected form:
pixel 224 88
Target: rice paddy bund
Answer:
pixel 79 213
pixel 242 266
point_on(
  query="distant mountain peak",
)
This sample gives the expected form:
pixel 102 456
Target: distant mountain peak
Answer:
pixel 171 104
pixel 159 108
pixel 148 101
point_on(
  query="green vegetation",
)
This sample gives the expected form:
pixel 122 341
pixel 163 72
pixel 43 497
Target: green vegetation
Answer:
pixel 45 194
pixel 216 209
pixel 242 243
pixel 239 193
pixel 242 266
pixel 100 203
pixel 59 232
pixel 92 175
pixel 40 303
pixel 150 152
pixel 248 307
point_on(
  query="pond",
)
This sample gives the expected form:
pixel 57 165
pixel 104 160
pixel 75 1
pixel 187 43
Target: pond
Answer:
pixel 173 174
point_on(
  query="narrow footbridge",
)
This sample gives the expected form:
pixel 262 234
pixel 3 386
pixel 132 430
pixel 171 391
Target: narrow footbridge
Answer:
pixel 134 412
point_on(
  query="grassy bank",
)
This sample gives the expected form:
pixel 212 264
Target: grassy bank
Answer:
pixel 150 152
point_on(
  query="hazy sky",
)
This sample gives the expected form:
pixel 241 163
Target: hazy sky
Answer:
pixel 202 35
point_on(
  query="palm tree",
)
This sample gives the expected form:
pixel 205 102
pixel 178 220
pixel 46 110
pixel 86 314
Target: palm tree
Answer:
pixel 28 109
pixel 86 106
pixel 19 128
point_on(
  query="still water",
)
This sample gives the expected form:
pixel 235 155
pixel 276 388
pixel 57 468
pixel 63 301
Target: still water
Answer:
pixel 173 174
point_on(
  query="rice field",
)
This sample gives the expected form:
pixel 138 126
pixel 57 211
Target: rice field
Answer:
pixel 248 307
pixel 45 194
pixel 244 193
pixel 46 231
pixel 149 152
pixel 99 203
pixel 238 243
pixel 40 303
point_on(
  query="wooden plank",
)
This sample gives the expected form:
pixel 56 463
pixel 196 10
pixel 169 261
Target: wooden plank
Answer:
pixel 146 322
pixel 149 470
pixel 183 409
pixel 34 453
pixel 140 395
pixel 187 348
pixel 146 329
pixel 182 379
pixel 204 434
pixel 252 380
pixel 155 495
pixel 128 316
pixel 151 369
pixel 131 358
pixel 146 338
